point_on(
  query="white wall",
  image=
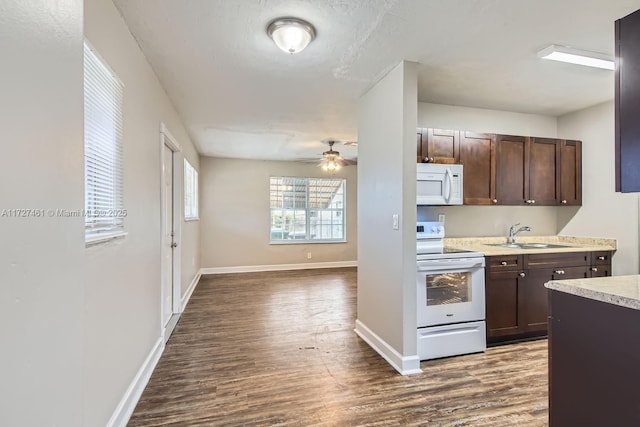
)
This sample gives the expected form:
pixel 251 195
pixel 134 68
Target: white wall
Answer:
pixel 604 213
pixel 41 258
pixel 234 210
pixel 122 306
pixel 386 177
pixel 472 221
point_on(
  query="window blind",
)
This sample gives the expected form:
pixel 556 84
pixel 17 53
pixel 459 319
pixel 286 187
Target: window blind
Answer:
pixel 307 209
pixel 190 191
pixel 103 117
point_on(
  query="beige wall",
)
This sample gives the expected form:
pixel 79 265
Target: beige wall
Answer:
pixel 42 280
pixel 234 211
pixel 386 174
pixel 604 213
pixel 122 305
pixel 473 221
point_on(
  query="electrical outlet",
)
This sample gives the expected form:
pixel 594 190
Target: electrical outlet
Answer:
pixel 308 255
pixel 396 222
pixel 441 218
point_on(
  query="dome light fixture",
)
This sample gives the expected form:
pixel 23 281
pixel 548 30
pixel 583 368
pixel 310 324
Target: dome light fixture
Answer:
pixel 291 35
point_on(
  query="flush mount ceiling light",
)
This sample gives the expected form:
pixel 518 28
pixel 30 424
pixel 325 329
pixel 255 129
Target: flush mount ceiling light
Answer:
pixel 577 56
pixel 291 35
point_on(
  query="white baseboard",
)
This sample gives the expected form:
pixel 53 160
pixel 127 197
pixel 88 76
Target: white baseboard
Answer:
pixel 406 365
pixel 277 267
pixel 130 399
pixel 192 287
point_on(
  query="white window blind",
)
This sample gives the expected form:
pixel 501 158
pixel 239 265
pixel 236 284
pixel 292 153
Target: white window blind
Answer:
pixel 103 111
pixel 307 210
pixel 190 191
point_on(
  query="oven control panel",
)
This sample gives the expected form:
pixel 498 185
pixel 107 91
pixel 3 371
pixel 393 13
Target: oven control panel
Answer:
pixel 429 230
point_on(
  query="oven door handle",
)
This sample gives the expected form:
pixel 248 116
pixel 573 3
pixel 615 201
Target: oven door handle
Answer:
pixel 439 268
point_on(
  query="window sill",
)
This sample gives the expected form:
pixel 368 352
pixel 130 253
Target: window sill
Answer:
pixel 305 242
pixel 192 219
pixel 103 238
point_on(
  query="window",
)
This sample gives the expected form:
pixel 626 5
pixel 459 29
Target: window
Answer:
pixel 103 99
pixel 307 210
pixel 190 192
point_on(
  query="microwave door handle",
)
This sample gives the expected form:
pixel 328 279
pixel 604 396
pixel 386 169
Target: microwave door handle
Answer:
pixel 447 185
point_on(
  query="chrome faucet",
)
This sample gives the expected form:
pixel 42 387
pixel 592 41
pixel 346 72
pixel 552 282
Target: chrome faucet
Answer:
pixel 513 232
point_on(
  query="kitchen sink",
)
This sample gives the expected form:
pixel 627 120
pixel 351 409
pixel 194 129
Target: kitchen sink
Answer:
pixel 529 245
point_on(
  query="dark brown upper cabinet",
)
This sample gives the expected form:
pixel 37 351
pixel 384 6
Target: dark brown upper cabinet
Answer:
pixel 478 156
pixel 571 172
pixel 508 169
pixel 627 103
pixel 440 145
pixel 512 170
pixel 544 171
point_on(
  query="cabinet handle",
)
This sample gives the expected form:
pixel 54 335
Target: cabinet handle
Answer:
pixel 559 271
pixel 494 201
pixel 533 202
pixel 503 263
pixel 601 258
pixel 564 202
pixel 594 268
pixel 528 202
pixel 522 274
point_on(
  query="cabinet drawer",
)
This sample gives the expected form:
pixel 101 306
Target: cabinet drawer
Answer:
pixel 601 258
pixel 504 262
pixel 553 260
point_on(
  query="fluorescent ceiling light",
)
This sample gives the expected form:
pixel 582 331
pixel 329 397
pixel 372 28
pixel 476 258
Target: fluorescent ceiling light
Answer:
pixel 577 56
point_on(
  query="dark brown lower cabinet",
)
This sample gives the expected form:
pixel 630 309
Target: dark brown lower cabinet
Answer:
pixel 515 295
pixel 593 363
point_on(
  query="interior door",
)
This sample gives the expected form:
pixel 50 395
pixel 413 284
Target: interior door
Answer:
pixel 167 235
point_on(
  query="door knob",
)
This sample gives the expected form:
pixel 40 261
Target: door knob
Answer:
pixel 503 263
pixel 522 274
pixel 174 245
pixel 494 201
pixel 564 202
pixel 601 258
pixel 594 268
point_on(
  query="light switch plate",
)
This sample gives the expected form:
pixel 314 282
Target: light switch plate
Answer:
pixel 441 218
pixel 396 222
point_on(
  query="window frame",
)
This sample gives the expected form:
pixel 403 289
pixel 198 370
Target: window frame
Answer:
pixel 307 210
pixel 104 212
pixel 191 205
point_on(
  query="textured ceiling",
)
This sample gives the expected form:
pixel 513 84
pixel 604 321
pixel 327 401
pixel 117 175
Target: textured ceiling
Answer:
pixel 240 96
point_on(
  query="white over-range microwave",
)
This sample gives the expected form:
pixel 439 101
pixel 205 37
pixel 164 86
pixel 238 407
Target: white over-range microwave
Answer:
pixel 439 184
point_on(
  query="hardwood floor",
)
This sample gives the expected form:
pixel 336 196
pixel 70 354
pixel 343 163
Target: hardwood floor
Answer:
pixel 278 348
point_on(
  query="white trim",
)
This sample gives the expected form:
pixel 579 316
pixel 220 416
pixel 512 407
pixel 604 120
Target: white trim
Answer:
pixel 406 365
pixel 98 239
pixel 190 289
pixel 277 267
pixel 173 142
pixel 128 403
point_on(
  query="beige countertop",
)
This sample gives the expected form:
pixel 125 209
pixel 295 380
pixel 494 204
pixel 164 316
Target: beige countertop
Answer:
pixel 618 290
pixel 568 243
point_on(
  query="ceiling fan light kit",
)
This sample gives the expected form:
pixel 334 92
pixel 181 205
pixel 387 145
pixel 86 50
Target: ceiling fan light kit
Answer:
pixel 331 159
pixel 577 56
pixel 291 35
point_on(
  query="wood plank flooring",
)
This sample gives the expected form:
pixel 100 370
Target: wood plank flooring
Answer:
pixel 278 348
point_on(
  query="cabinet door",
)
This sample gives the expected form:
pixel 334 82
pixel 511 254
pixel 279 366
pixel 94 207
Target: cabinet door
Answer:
pixel 478 156
pixel 570 172
pixel 443 144
pixel 512 171
pixel 419 158
pixel 532 300
pixel 501 299
pixel 627 103
pixel 544 171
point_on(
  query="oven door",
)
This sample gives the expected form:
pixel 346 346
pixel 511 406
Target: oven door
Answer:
pixel 450 291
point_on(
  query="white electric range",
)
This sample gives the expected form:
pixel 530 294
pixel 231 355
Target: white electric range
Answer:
pixel 450 296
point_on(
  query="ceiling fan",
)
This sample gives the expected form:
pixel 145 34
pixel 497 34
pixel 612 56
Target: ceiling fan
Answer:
pixel 332 160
